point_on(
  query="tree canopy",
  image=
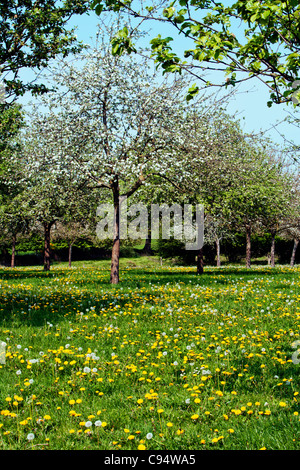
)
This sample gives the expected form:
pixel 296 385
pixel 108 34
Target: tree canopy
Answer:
pixel 243 40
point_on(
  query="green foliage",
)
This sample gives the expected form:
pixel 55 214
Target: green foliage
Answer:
pixel 121 42
pixel 11 121
pixel 268 46
pixel 31 34
pixel 32 243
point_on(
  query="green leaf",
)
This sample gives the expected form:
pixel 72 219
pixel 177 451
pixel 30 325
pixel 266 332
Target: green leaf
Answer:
pixel 98 9
pixel 169 12
pixel 265 14
pixel 192 91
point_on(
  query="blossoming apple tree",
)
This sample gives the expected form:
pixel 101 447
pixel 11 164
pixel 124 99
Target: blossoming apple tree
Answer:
pixel 119 124
pixel 53 190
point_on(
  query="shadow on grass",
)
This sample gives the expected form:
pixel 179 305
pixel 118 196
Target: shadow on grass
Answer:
pixel 32 273
pixel 31 301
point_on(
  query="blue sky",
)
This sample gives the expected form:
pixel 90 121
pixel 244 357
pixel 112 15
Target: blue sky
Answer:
pixel 249 104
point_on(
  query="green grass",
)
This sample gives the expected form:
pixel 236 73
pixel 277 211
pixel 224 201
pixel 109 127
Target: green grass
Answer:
pixel 165 360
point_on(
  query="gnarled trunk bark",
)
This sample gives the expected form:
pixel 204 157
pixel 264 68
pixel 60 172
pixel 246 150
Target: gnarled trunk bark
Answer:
pixel 47 253
pixel 70 254
pixel 218 251
pixel 248 245
pixel 200 262
pixel 115 255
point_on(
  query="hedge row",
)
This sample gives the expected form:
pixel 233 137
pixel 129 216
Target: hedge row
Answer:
pixel 30 252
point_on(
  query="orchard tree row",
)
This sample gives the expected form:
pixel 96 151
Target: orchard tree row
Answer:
pixel 112 128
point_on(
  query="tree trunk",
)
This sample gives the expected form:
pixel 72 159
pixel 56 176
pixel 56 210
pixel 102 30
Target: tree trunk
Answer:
pixel 47 229
pixel 296 242
pixel 272 256
pixel 200 262
pixel 70 254
pixel 115 254
pixel 218 251
pixel 13 252
pixel 248 246
pixel 147 248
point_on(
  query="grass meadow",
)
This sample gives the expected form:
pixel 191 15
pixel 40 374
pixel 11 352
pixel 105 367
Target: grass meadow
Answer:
pixel 166 360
